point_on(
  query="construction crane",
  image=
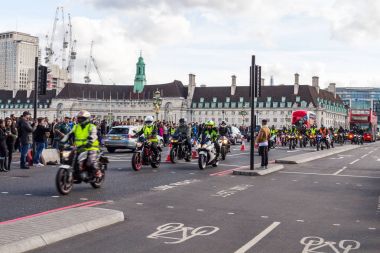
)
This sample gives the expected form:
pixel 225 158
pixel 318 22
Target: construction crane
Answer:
pixel 87 67
pixel 49 47
pixel 65 43
pixel 72 51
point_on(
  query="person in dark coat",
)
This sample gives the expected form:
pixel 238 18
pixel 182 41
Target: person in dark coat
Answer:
pixel 11 133
pixel 26 137
pixel 3 148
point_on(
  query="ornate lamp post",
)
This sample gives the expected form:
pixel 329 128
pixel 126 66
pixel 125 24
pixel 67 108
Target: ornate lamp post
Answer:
pixel 243 114
pixel 157 102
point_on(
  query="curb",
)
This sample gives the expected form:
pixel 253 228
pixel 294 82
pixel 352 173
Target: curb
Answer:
pixel 36 232
pixel 258 172
pixel 303 158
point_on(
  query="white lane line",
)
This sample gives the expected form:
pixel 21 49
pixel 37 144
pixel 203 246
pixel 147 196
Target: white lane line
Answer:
pixel 370 152
pixel 336 225
pixel 300 221
pixel 28 194
pixel 170 207
pixel 264 217
pixel 257 238
pixel 364 155
pixel 113 160
pixel 55 196
pixel 372 228
pixel 339 171
pixel 4 192
pixel 200 210
pixel 139 204
pixel 354 161
pixel 230 213
pixel 83 199
pixel 320 174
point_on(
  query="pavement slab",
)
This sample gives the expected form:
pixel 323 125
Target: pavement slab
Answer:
pixel 22 235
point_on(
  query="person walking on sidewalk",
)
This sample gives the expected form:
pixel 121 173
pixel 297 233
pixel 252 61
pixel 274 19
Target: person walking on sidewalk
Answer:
pixel 26 137
pixel 11 132
pixel 262 140
pixel 40 137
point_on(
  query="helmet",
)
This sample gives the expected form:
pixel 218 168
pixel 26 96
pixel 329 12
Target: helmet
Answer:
pixel 83 117
pixel 210 123
pixel 182 121
pixel 148 120
pixel 223 124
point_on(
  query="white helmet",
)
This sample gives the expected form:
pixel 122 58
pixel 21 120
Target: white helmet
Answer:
pixel 148 120
pixel 84 114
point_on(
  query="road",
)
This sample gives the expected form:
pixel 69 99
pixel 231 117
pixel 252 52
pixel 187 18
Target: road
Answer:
pixel 327 205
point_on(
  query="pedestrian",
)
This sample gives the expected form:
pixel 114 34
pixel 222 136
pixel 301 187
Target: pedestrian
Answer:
pixel 25 130
pixel 262 140
pixel 40 136
pixel 60 130
pixel 3 148
pixel 11 131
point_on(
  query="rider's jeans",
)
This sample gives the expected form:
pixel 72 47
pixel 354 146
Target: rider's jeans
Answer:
pixel 91 159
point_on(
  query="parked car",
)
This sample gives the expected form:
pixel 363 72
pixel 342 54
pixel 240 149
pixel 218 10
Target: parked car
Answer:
pixel 236 136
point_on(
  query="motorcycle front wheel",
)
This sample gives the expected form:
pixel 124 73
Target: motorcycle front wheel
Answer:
pixel 173 155
pixel 64 181
pixel 136 162
pixel 223 153
pixel 202 162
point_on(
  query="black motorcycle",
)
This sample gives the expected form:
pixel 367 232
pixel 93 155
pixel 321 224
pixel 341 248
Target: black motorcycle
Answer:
pixel 143 155
pixel 180 149
pixel 292 138
pixel 74 170
pixel 224 144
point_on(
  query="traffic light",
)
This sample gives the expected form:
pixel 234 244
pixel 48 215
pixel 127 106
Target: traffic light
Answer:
pixel 42 80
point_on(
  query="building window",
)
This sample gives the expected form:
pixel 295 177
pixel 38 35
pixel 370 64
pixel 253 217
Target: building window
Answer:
pixel 298 98
pixel 283 99
pixel 227 99
pixel 201 100
pixel 214 99
pixel 241 99
pixel 269 99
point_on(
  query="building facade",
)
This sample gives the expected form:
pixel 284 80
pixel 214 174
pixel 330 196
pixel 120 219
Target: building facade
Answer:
pixel 361 98
pixel 17 60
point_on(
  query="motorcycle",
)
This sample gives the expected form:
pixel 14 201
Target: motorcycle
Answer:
pixel 207 154
pixel 292 141
pixel 272 142
pixel 180 149
pixel 339 138
pixel 312 140
pixel 357 139
pixel 224 147
pixel 302 140
pixel 74 170
pixel 144 155
pixel 283 140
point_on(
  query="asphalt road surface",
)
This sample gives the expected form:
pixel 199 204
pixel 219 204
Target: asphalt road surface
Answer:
pixel 327 205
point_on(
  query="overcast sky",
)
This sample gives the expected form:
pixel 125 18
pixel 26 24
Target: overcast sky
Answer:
pixel 337 40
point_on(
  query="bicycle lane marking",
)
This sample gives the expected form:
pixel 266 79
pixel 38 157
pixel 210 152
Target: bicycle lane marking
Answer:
pixel 258 238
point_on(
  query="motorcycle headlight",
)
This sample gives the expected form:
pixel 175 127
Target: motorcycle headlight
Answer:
pixel 66 154
pixel 225 142
pixel 139 144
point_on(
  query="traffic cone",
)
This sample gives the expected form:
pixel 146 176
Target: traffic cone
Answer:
pixel 168 156
pixel 242 147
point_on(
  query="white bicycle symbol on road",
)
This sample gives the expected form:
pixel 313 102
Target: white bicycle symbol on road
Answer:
pixel 178 233
pixel 313 243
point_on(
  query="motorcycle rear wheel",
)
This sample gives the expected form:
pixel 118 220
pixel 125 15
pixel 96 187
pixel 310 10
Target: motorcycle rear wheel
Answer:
pixel 63 182
pixel 98 181
pixel 173 155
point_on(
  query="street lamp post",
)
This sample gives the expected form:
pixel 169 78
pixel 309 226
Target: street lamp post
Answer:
pixel 157 102
pixel 223 112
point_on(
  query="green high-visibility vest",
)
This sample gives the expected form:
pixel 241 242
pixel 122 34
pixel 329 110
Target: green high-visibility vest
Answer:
pixel 82 134
pixel 148 130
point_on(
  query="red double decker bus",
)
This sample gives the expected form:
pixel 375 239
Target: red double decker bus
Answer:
pixel 366 120
pixel 303 117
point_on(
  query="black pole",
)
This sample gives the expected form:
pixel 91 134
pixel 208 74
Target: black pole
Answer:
pixel 35 88
pixel 252 95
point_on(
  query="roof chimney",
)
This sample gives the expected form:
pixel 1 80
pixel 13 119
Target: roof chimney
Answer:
pixel 271 81
pixel 296 83
pixel 233 85
pixel 332 89
pixel 296 78
pixel 191 87
pixel 315 83
pixel 262 82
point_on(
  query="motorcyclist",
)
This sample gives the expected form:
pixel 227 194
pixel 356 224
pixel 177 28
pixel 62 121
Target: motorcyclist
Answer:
pixel 225 131
pixel 150 134
pixel 184 130
pixel 212 131
pixel 86 138
pixel 323 131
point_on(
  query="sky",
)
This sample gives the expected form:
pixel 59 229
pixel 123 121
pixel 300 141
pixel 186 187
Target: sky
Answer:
pixel 337 40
